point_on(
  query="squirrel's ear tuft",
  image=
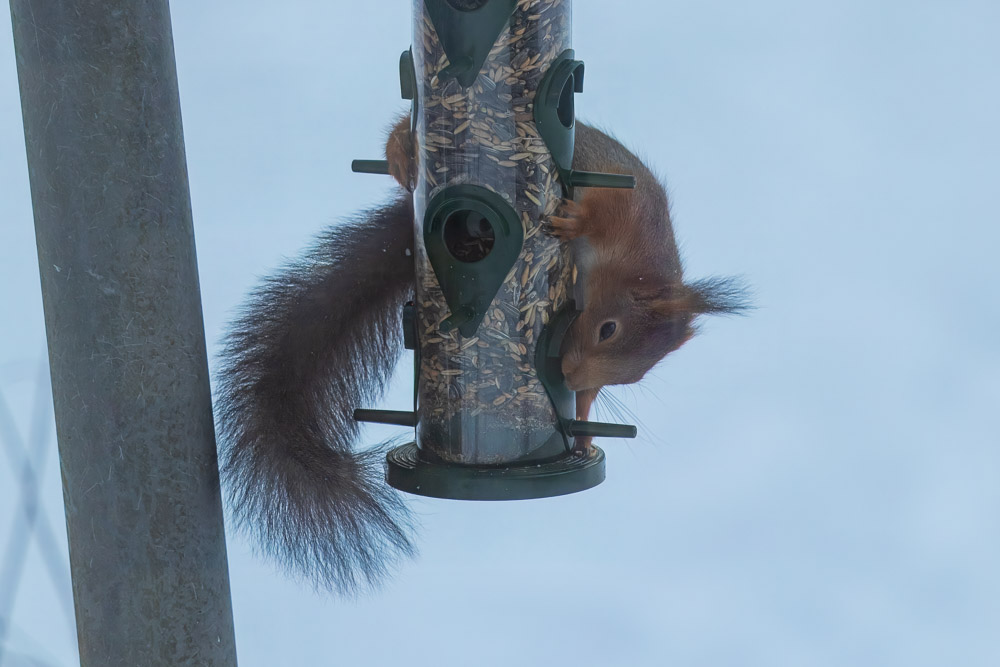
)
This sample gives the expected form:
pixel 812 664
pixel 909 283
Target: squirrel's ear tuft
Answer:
pixel 710 296
pixel 719 296
pixel 662 299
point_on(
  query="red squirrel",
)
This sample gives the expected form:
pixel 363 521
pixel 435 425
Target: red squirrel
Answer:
pixel 638 308
pixel 321 337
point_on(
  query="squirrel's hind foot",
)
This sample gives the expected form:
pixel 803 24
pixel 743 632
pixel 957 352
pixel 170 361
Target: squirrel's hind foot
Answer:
pixel 400 155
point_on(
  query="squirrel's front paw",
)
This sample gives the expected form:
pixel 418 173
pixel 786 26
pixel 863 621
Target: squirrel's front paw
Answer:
pixel 567 223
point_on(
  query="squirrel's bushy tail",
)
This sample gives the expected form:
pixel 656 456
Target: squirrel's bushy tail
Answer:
pixel 316 340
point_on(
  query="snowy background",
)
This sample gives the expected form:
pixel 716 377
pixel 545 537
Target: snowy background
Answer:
pixel 815 484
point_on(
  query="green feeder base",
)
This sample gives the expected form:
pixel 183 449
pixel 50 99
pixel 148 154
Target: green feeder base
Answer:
pixel 406 471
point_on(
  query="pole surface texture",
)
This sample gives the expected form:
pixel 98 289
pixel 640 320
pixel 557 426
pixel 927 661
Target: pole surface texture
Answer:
pixel 126 339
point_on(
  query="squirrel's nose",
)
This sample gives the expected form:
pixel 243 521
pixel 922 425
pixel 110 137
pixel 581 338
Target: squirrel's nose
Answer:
pixel 569 369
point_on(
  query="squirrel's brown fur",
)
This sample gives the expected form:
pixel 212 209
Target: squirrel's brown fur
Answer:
pixel 321 336
pixel 316 340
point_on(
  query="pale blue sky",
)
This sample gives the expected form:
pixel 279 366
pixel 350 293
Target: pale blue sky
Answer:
pixel 816 484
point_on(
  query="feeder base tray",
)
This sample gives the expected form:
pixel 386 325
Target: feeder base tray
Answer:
pixel 406 471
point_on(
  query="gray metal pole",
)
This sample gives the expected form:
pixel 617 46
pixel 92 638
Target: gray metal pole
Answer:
pixel 126 340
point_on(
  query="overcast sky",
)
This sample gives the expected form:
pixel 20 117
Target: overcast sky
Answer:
pixel 815 484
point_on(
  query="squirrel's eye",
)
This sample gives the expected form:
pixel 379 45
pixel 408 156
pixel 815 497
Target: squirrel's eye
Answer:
pixel 608 330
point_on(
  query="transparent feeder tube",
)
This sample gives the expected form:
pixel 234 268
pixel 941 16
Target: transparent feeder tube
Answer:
pixel 479 397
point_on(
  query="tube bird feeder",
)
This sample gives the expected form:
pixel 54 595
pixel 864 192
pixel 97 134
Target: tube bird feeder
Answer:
pixel 492 84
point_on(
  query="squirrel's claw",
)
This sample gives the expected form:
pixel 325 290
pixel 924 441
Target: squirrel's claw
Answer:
pixel 568 224
pixel 569 208
pixel 564 229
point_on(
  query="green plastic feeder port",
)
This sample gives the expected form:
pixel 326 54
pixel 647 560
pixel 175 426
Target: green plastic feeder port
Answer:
pixel 555 116
pixel 555 112
pixel 473 238
pixel 467 32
